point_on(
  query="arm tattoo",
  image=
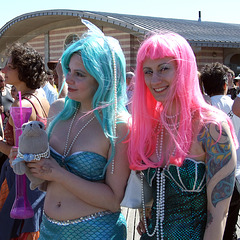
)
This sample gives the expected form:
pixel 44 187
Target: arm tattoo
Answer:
pixel 217 154
pixel 223 189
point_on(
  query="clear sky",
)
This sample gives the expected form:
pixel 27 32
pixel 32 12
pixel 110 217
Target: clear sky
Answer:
pixel 211 10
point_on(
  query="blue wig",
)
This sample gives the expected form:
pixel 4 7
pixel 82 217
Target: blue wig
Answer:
pixel 101 56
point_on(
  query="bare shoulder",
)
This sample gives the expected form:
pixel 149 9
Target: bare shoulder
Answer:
pixel 123 125
pixel 56 107
pixel 221 131
pixel 215 132
pixel 16 103
pixel 124 118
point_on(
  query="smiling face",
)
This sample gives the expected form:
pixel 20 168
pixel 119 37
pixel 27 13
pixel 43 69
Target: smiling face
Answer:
pixel 159 75
pixel 81 85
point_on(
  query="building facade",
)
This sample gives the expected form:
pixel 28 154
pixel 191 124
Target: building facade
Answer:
pixel 50 31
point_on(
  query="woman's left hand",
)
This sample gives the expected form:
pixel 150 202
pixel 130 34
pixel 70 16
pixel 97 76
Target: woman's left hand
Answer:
pixel 13 154
pixel 46 169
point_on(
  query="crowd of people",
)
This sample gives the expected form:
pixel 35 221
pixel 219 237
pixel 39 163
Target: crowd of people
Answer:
pixel 176 124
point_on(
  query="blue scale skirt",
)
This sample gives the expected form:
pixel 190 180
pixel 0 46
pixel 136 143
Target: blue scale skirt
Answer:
pixel 99 226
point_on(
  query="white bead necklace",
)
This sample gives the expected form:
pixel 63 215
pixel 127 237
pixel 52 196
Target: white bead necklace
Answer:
pixel 173 124
pixel 172 116
pixel 115 103
pixel 66 151
pixel 159 143
pixel 160 187
pixel 158 206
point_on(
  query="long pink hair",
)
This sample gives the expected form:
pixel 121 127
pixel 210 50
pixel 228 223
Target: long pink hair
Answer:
pixel 184 92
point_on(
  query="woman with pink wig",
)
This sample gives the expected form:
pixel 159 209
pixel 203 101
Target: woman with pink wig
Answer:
pixel 185 147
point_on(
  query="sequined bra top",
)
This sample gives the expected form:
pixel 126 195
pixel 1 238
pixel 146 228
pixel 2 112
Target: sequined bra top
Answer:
pixel 185 200
pixel 87 165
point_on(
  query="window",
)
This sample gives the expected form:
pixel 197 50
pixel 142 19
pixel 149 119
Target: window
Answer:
pixel 70 39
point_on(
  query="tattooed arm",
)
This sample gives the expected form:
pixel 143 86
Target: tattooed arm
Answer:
pixel 220 172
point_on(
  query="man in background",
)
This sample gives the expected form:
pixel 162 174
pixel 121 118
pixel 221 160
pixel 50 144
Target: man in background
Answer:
pixel 58 77
pixel 215 81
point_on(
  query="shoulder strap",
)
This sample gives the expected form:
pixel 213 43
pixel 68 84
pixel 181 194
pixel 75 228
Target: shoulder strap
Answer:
pixel 32 104
pixel 39 103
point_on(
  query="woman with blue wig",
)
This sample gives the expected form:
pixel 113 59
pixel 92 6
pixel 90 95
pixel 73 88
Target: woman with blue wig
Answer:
pixel 88 168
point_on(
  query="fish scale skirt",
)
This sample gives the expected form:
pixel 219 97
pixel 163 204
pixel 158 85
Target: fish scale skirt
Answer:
pixel 104 226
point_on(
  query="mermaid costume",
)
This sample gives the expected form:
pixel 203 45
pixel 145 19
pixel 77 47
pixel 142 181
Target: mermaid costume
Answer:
pixel 102 225
pixel 185 211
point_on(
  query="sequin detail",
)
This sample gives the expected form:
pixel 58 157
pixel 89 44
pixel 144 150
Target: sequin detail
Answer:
pixel 87 165
pixel 107 226
pixel 185 201
pixel 78 220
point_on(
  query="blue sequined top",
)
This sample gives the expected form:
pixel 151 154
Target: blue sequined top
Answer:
pixel 87 165
pixel 185 211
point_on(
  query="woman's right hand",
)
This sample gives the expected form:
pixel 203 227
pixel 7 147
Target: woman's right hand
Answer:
pixel 46 169
pixel 141 226
pixel 13 154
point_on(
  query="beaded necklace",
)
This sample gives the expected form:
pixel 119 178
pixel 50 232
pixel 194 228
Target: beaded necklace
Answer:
pixel 172 116
pixel 171 123
pixel 160 186
pixel 115 103
pixel 66 151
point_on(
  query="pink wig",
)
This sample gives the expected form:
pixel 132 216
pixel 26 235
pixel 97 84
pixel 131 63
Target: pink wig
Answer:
pixel 186 94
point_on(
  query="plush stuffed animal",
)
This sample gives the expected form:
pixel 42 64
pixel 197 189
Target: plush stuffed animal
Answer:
pixel 33 145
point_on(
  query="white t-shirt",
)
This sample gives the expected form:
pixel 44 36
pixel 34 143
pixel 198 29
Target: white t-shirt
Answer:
pixel 51 93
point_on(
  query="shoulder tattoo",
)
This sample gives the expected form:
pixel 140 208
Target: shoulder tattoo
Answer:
pixel 218 154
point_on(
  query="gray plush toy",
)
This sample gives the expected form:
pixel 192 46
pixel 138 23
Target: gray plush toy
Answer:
pixel 33 145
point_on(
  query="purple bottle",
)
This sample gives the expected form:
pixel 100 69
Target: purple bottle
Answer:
pixel 21 208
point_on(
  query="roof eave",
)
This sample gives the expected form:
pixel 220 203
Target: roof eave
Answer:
pixel 214 44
